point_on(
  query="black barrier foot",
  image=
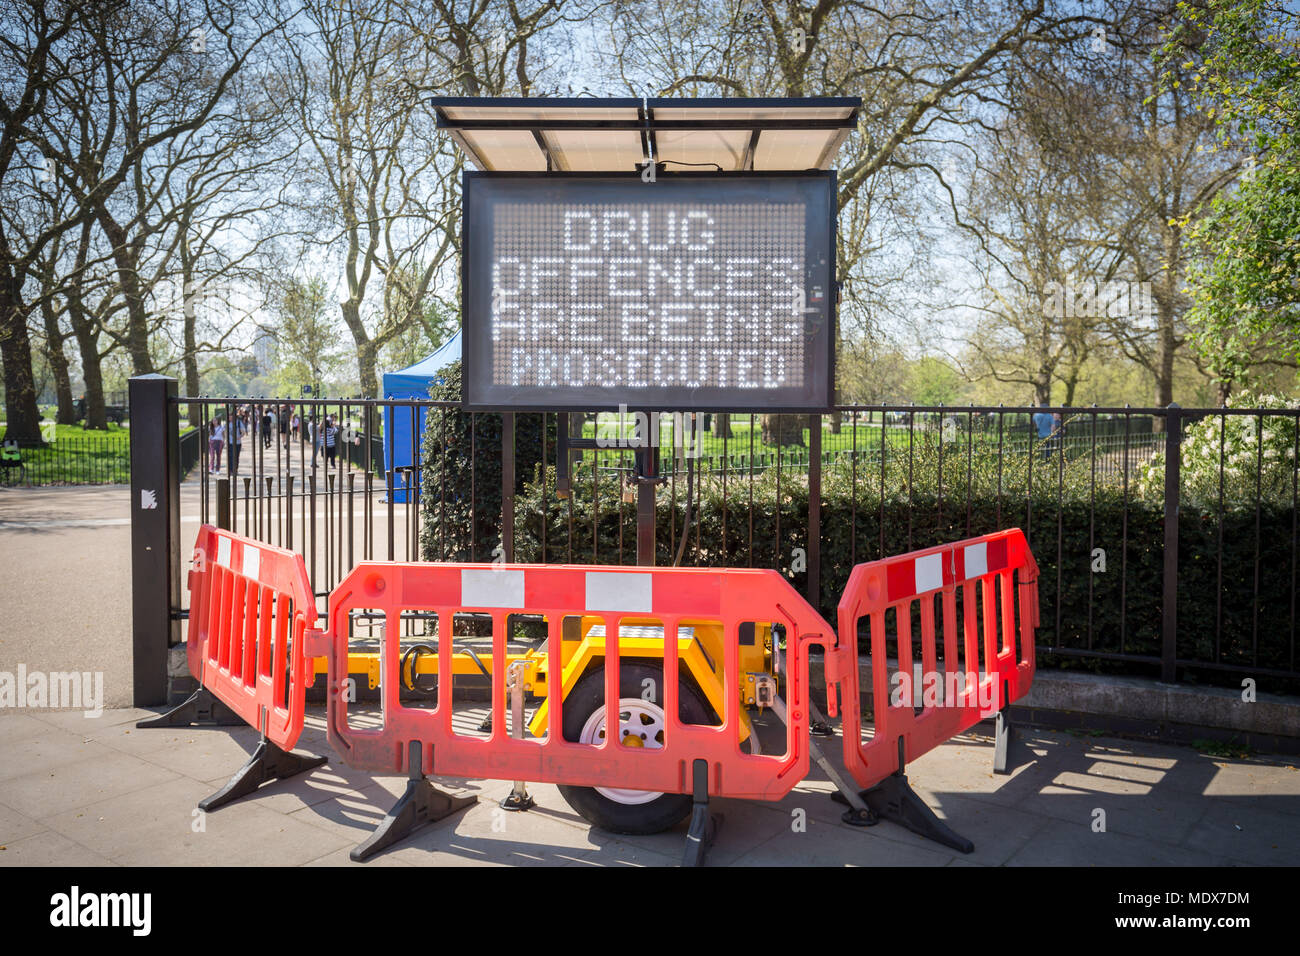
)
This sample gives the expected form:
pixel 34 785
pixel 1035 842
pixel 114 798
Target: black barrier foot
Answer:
pixel 857 818
pixel 268 763
pixel 201 707
pixel 704 825
pixel 893 799
pixel 422 803
pixel 517 801
pixel 1001 741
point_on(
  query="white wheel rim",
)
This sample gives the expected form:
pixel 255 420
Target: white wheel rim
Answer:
pixel 643 718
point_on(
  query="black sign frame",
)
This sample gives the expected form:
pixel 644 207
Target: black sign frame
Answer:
pixel 478 394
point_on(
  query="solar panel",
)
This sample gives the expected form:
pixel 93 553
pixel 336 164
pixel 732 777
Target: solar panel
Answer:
pixel 522 134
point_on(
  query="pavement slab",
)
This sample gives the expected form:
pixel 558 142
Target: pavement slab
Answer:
pixel 81 791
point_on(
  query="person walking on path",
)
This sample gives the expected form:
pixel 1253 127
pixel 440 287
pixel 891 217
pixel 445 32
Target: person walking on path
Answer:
pixel 238 429
pixel 329 439
pixel 216 438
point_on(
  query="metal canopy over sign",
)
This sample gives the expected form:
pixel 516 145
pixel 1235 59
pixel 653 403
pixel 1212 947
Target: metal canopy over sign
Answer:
pixel 505 134
pixel 671 254
pixel 695 291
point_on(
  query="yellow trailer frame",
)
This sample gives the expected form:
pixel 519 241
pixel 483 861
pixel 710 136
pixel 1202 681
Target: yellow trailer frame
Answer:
pixel 700 648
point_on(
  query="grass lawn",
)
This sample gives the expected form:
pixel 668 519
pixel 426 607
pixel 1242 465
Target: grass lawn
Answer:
pixel 738 445
pixel 115 433
pixel 77 456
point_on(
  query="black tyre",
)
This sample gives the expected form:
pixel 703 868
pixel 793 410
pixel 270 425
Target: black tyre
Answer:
pixel 629 811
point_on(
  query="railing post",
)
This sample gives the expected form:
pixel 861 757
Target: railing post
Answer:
pixel 814 509
pixel 155 533
pixel 508 485
pixel 223 503
pixel 1169 602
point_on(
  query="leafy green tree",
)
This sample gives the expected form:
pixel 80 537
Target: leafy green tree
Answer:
pixel 1244 282
pixel 932 381
pixel 310 343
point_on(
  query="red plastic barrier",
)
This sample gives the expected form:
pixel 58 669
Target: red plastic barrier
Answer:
pixel 666 594
pixel 991 666
pixel 250 606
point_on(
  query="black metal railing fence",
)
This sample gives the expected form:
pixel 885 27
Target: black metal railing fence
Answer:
pixel 1166 538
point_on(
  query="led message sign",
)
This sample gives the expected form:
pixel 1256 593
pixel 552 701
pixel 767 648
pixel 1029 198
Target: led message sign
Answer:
pixel 692 291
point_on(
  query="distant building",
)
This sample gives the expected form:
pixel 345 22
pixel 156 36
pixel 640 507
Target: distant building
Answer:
pixel 265 353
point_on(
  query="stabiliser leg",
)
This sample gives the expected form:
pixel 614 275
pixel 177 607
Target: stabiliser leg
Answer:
pixel 1001 741
pixel 818 726
pixel 422 803
pixel 201 707
pixel 267 763
pixel 893 799
pixel 704 825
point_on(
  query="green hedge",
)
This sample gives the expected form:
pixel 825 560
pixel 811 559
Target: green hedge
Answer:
pixel 460 504
pixel 1132 579
pixel 1059 515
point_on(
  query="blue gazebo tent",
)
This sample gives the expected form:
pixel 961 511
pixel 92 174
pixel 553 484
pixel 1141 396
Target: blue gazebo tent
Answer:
pixel 413 382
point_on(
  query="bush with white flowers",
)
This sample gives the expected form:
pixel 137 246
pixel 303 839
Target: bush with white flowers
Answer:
pixel 1235 458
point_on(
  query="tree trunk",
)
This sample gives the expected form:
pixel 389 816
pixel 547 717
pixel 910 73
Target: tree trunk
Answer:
pixel 1071 384
pixel 23 418
pixel 1223 389
pixel 721 425
pixel 67 414
pixel 83 329
pixel 782 430
pixel 1166 349
pixel 127 260
pixel 1167 352
pixel 366 364
pixel 190 357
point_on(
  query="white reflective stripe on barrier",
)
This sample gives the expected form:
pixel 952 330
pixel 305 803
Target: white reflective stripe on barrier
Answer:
pixel 614 591
pixel 929 573
pixel 493 587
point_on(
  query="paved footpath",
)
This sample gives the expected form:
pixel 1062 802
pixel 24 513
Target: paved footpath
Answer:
pixel 96 791
pixel 65 577
pixel 86 791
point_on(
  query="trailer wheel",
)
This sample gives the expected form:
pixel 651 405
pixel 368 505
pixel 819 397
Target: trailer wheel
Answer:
pixel 641 718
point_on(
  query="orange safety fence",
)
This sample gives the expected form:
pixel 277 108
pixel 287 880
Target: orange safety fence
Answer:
pixel 250 607
pixel 669 595
pixel 986 590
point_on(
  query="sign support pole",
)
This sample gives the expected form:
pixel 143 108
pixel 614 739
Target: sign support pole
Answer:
pixel 646 478
pixel 155 533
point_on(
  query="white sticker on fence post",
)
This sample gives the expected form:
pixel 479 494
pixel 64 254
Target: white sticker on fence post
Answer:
pixel 223 551
pixel 976 559
pixel 618 591
pixel 495 587
pixel 252 561
pixel 929 573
